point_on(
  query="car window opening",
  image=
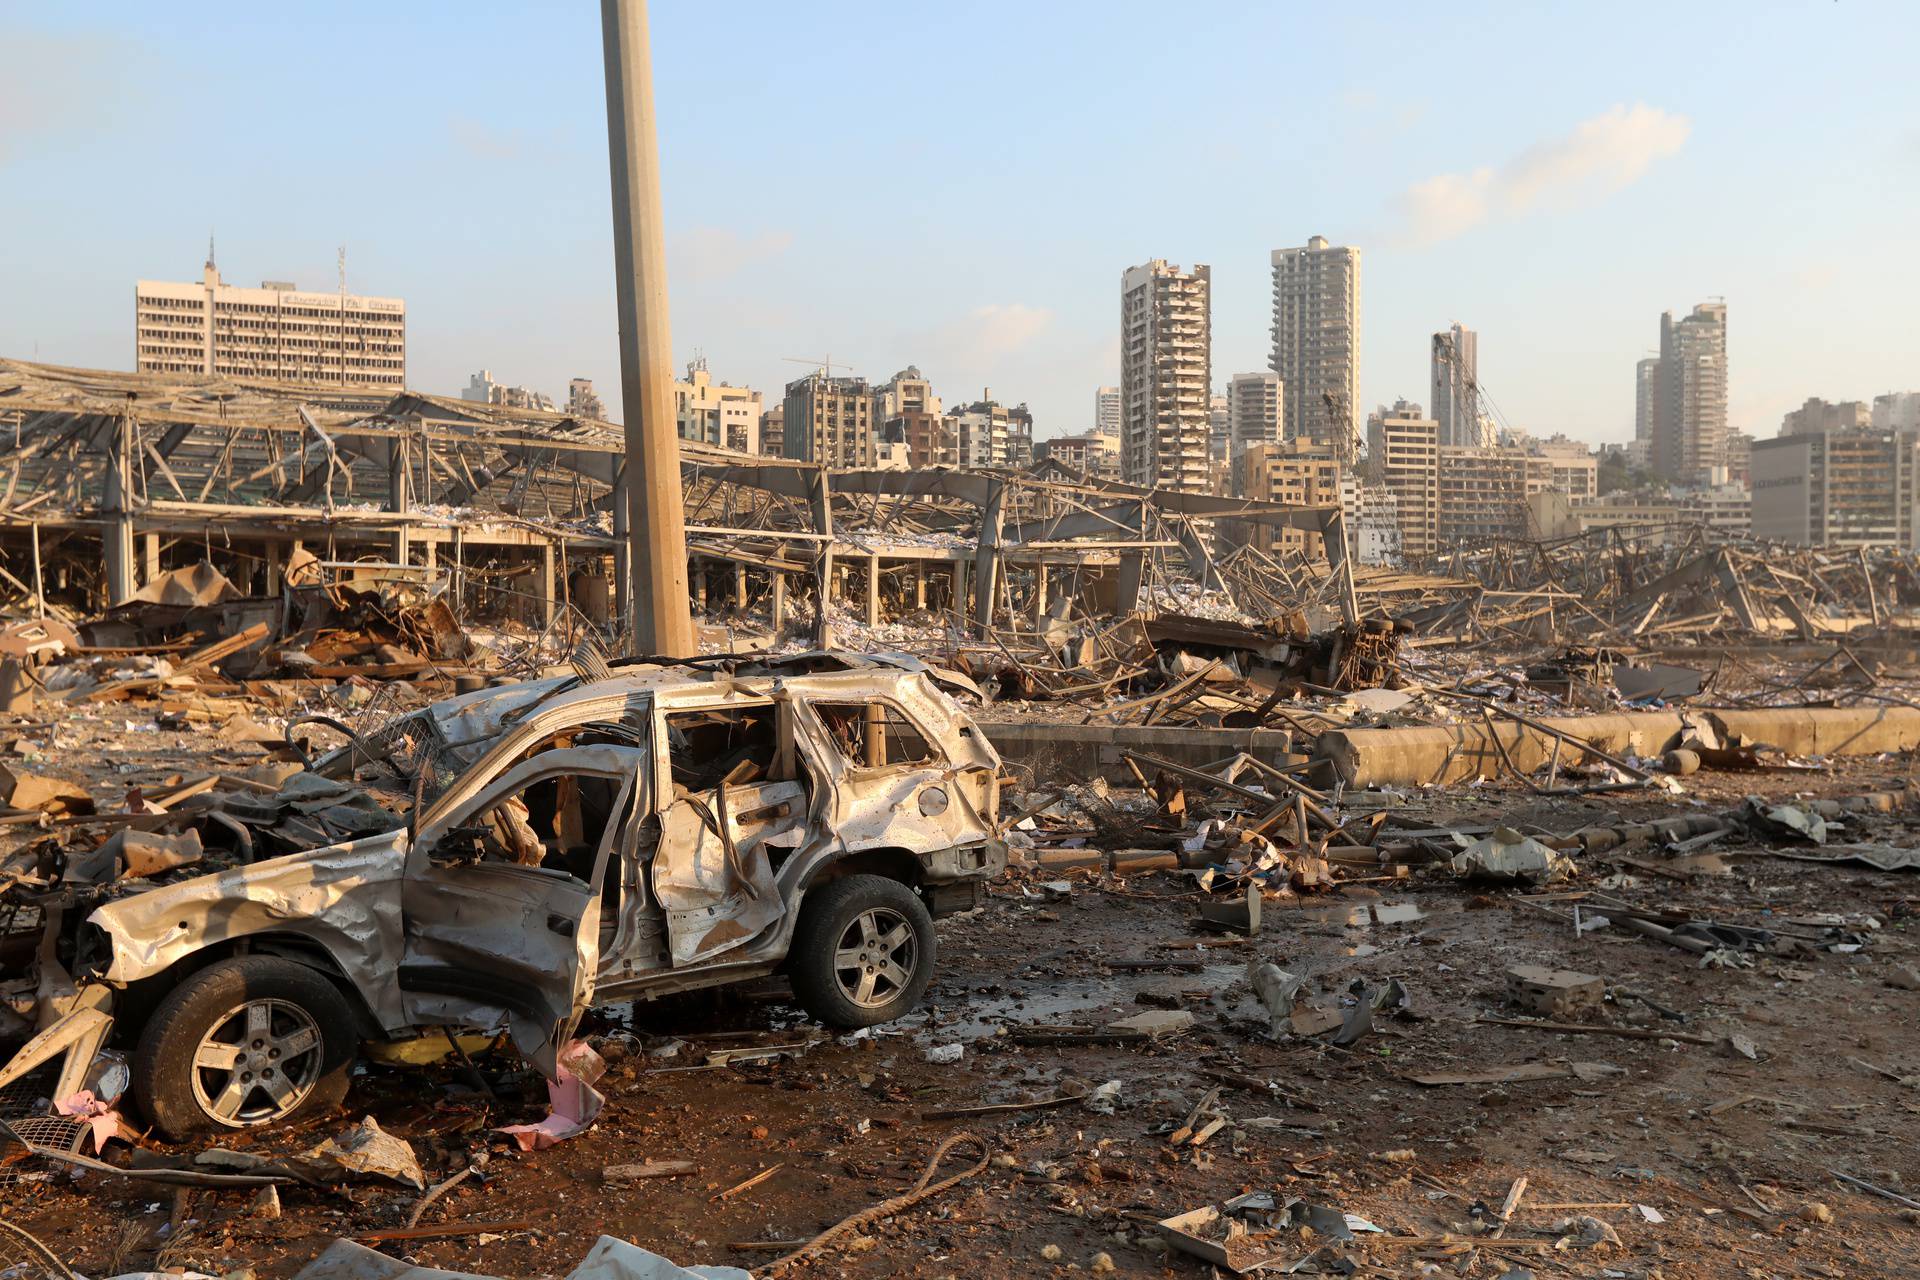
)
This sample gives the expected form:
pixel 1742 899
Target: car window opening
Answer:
pixel 874 734
pixel 556 823
pixel 735 745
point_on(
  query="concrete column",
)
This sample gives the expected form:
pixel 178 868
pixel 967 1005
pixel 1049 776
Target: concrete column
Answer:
pixel 431 552
pixel 459 570
pixel 777 610
pixel 149 557
pixel 986 559
pixel 276 568
pixel 740 586
pixel 700 587
pixel 546 585
pixel 1039 596
pixel 40 585
pixel 399 492
pixel 957 586
pixel 873 590
pixel 920 585
pixel 117 502
pixel 655 597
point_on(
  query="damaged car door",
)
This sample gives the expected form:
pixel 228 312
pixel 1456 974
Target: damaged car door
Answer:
pixel 740 805
pixel 502 895
pixel 901 776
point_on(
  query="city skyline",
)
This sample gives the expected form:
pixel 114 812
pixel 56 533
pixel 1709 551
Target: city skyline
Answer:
pixel 1554 233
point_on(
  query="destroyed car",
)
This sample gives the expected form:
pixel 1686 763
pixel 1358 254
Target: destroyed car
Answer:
pixel 510 857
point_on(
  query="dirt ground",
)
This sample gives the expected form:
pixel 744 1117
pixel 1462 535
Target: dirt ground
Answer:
pixel 1703 1162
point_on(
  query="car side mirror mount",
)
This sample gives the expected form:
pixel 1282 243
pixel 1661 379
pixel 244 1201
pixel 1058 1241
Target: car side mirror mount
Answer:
pixel 458 846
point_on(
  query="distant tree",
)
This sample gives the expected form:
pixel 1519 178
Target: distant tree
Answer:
pixel 1614 474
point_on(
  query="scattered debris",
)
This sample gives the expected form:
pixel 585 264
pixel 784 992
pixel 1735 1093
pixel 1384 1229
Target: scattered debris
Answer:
pixel 1508 857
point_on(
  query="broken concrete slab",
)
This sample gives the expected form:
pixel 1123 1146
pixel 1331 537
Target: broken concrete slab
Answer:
pixel 1657 681
pixel 20 789
pixel 609 1259
pixel 1157 1024
pixel 1235 915
pixel 1555 993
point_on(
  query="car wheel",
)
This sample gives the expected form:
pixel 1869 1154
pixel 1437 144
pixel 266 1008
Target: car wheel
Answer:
pixel 244 1044
pixel 862 952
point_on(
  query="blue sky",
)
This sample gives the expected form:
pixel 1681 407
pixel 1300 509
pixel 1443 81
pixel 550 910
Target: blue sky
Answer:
pixel 961 186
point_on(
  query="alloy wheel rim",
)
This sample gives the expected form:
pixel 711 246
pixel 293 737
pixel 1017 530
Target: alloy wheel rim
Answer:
pixel 257 1063
pixel 875 958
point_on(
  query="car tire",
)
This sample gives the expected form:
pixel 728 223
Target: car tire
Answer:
pixel 252 1042
pixel 863 951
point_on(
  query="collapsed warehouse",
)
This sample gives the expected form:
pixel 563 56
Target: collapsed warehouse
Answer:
pixel 1284 835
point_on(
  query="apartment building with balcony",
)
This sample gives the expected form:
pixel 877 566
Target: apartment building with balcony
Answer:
pixel 716 413
pixel 1299 473
pixel 829 421
pixel 1253 415
pixel 1316 341
pixel 1093 454
pixel 1166 372
pixel 1403 457
pixel 1483 492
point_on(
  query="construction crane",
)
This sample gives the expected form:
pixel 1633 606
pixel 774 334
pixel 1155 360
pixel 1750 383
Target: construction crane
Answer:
pixel 1341 433
pixel 1445 352
pixel 825 366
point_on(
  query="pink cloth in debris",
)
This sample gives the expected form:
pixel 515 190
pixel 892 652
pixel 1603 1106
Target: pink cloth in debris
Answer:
pixel 102 1120
pixel 572 1101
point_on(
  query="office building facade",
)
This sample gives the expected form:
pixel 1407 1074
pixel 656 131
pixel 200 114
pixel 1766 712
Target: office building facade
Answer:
pixel 275 333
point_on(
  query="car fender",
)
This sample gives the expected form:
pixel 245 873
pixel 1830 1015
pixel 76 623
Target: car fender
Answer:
pixel 344 897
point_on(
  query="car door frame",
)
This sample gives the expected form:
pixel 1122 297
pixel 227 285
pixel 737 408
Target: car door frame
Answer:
pixel 860 825
pixel 537 1031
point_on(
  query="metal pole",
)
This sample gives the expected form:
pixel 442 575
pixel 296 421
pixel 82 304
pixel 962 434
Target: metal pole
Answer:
pixel 657 603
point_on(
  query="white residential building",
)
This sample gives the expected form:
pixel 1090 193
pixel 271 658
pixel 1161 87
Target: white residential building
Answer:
pixel 717 413
pixel 482 389
pixel 1316 342
pixel 1372 516
pixel 1253 414
pixel 1689 409
pixel 991 434
pixel 1106 411
pixel 275 333
pixel 1165 375
pixel 1897 411
pixel 906 392
pixel 1575 470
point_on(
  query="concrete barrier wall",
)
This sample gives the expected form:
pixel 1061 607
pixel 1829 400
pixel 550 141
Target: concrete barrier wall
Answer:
pixel 1459 753
pixel 1081 752
pixel 1827 731
pixel 1462 752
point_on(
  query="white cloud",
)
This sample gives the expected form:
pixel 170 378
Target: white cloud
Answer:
pixel 999 328
pixel 1600 156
